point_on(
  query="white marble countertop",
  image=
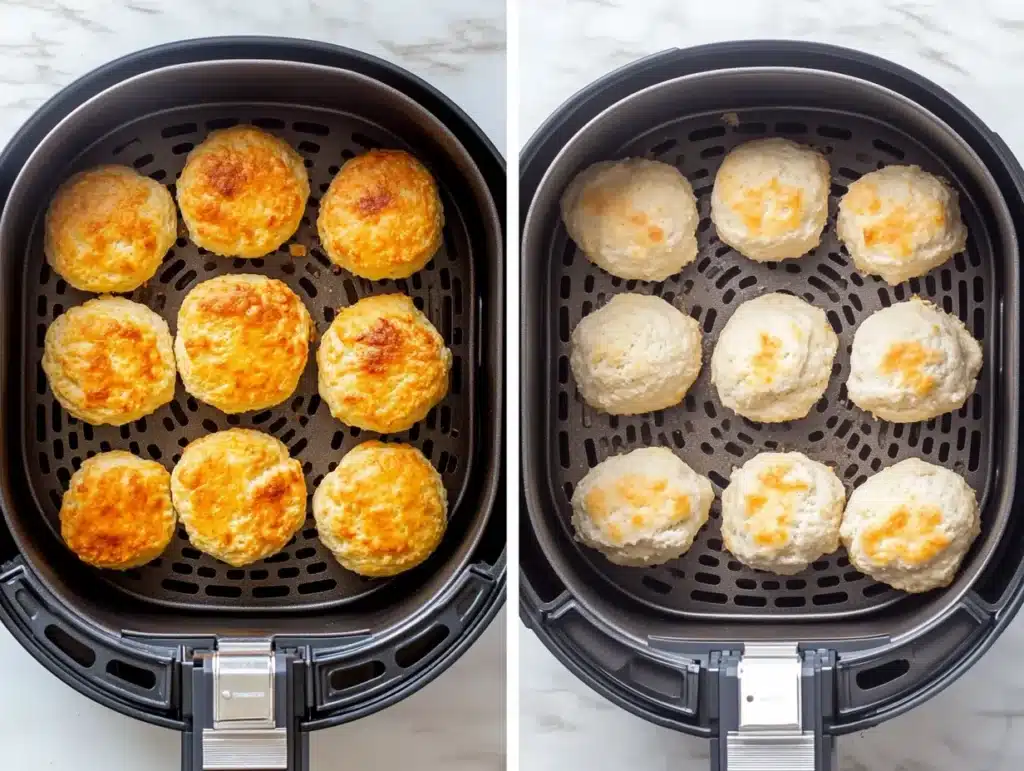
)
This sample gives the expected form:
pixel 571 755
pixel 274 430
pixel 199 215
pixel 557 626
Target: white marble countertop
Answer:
pixel 976 50
pixel 455 723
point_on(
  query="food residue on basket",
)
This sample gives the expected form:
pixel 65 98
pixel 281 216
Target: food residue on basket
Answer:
pixel 296 250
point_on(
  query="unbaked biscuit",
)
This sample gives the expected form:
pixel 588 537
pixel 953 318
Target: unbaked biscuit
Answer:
pixel 910 525
pixel 641 508
pixel 243 341
pixel 912 361
pixel 770 199
pixel 239 494
pixel 108 229
pixel 242 192
pixel 382 216
pixel 636 354
pixel 383 510
pixel 117 511
pixel 382 364
pixel 110 360
pixel 900 222
pixel 781 512
pixel 635 218
pixel 773 359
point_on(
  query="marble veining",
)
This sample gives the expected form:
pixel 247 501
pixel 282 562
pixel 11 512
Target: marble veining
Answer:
pixel 455 723
pixel 976 50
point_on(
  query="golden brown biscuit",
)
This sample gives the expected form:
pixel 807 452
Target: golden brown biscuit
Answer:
pixel 242 192
pixel 381 216
pixel 110 360
pixel 117 511
pixel 243 341
pixel 382 365
pixel 383 510
pixel 108 229
pixel 239 495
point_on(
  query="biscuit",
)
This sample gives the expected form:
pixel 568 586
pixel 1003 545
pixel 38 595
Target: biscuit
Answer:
pixel 108 229
pixel 635 218
pixel 900 222
pixel 242 192
pixel 912 361
pixel 117 511
pixel 110 360
pixel 239 495
pixel 773 358
pixel 770 199
pixel 641 508
pixel 382 216
pixel 243 341
pixel 636 354
pixel 781 512
pixel 910 525
pixel 383 510
pixel 382 365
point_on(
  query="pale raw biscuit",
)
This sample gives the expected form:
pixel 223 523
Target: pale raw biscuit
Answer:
pixel 773 358
pixel 781 512
pixel 910 525
pixel 382 364
pixel 770 199
pixel 110 360
pixel 108 229
pixel 383 510
pixel 242 192
pixel 243 341
pixel 900 222
pixel 641 508
pixel 635 218
pixel 912 361
pixel 636 354
pixel 239 494
pixel 382 216
pixel 117 512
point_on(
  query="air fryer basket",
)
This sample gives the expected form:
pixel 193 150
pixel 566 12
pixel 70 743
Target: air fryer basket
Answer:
pixel 343 646
pixel 668 641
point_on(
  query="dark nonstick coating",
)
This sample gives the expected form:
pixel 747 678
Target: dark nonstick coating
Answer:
pixel 55 444
pixel 711 438
pixel 329 117
pixel 692 123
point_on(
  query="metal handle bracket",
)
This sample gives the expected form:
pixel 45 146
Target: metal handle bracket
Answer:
pixel 773 701
pixel 244 700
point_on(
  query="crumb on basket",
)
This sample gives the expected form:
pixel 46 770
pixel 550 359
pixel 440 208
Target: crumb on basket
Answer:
pixel 296 250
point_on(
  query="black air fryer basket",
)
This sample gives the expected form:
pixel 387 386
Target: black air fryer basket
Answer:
pixel 769 668
pixel 306 643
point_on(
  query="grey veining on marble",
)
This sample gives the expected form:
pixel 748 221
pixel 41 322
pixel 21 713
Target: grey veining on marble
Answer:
pixel 457 45
pixel 455 723
pixel 974 48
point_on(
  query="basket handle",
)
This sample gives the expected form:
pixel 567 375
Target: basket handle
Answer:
pixel 770 712
pixel 242 701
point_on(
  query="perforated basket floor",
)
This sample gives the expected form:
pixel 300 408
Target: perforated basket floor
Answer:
pixel 304 574
pixel 707 581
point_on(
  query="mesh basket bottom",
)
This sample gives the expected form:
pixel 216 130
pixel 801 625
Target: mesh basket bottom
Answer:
pixel 710 438
pixel 304 575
